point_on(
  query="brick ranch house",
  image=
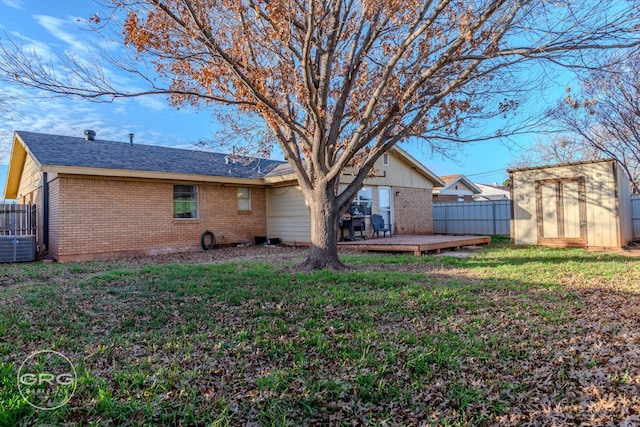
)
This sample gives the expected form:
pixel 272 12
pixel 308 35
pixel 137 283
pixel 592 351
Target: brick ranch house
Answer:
pixel 101 199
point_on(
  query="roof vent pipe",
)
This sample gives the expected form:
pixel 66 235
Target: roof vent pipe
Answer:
pixel 89 135
pixel 131 138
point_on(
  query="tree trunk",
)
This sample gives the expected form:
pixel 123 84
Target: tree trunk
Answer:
pixel 325 215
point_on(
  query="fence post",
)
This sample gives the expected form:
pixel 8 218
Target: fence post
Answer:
pixel 493 214
pixel 446 218
pixel 635 216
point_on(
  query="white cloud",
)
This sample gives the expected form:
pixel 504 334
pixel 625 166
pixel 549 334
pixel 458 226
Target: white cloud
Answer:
pixel 149 117
pixel 80 37
pixel 155 102
pixel 59 28
pixel 35 46
pixel 92 50
pixel 57 116
pixel 15 4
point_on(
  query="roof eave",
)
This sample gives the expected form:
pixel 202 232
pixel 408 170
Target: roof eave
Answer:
pixel 19 152
pixel 474 188
pixel 466 181
pixel 558 165
pixel 279 179
pixel 127 173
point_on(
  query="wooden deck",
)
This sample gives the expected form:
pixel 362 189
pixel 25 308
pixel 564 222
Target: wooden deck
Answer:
pixel 418 244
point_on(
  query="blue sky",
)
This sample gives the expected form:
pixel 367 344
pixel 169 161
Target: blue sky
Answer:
pixel 47 26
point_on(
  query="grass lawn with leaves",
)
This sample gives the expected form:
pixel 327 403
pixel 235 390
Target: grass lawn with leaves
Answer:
pixel 509 336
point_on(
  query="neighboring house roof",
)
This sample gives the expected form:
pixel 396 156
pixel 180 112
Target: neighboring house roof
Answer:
pixel 493 197
pixel 493 192
pixel 450 182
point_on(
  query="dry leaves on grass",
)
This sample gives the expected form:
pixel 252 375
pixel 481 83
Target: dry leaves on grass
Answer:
pixel 473 342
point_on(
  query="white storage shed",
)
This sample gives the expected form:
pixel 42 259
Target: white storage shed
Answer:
pixel 583 204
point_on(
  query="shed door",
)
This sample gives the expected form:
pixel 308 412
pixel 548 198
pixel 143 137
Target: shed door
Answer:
pixel 561 212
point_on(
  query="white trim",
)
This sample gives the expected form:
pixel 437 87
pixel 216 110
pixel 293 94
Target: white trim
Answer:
pixel 390 190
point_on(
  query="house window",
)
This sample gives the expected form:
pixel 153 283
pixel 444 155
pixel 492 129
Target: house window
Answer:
pixel 461 198
pixel 363 201
pixel 385 159
pixel 185 201
pixel 244 199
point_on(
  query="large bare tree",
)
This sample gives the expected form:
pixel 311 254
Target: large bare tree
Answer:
pixel 340 82
pixel 603 118
pixel 559 148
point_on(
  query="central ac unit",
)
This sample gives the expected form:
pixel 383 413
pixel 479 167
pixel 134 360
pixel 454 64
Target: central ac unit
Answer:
pixel 17 248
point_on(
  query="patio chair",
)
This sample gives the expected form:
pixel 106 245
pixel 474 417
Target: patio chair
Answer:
pixel 378 225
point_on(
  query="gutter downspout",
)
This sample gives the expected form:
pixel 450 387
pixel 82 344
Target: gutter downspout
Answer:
pixel 45 211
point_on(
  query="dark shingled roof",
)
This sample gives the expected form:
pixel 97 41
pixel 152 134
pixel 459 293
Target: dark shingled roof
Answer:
pixel 55 150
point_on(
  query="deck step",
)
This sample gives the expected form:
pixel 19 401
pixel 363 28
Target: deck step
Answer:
pixel 418 244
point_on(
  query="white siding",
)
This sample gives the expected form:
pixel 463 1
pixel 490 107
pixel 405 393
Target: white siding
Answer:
pixel 287 216
pixel 30 181
pixel 398 173
pixel 603 226
pixel 462 190
pixel 626 216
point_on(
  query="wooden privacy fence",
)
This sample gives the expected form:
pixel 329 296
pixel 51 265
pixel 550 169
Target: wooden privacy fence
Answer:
pixel 17 220
pixel 489 217
pixel 635 215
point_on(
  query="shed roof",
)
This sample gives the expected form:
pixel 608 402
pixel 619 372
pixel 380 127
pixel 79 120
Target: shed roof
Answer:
pixel 557 165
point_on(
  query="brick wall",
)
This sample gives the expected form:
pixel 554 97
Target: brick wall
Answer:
pixel 101 218
pixel 413 211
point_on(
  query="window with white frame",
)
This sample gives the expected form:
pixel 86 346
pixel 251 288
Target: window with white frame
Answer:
pixel 385 159
pixel 244 198
pixel 363 201
pixel 185 201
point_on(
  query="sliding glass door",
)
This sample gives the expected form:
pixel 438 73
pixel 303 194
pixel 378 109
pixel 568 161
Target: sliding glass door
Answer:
pixel 385 205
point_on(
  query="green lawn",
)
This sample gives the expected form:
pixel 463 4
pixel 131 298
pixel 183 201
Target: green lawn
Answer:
pixel 510 336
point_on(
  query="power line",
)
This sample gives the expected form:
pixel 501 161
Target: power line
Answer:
pixel 486 173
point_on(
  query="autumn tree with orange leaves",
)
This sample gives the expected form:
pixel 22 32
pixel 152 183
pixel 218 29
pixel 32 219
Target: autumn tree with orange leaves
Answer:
pixel 340 82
